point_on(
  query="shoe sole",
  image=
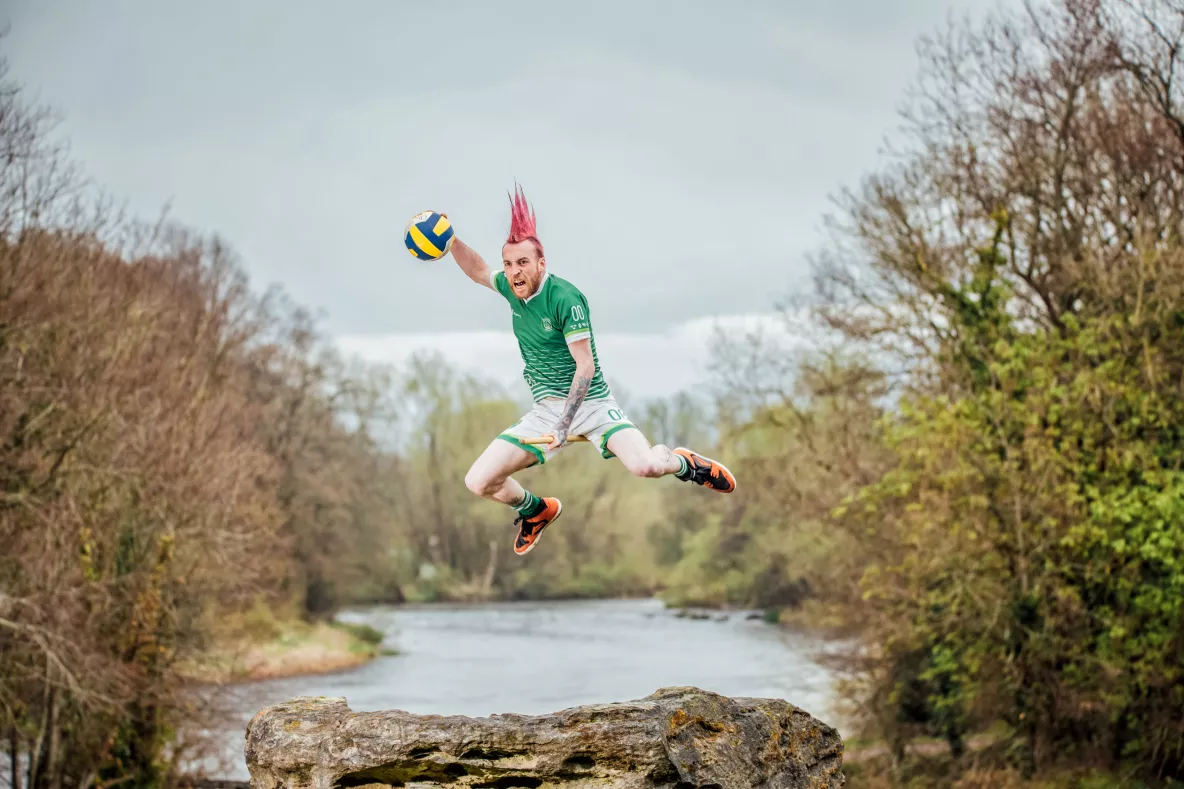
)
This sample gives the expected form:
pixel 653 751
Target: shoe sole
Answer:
pixel 530 547
pixel 728 471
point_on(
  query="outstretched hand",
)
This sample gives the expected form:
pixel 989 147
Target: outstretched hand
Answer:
pixel 558 439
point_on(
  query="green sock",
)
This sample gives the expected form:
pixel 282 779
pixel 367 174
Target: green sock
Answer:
pixel 530 505
pixel 684 472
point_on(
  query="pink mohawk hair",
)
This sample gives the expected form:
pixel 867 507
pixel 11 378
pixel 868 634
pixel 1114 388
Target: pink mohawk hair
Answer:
pixel 522 220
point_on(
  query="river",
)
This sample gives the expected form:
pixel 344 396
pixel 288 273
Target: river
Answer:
pixel 541 657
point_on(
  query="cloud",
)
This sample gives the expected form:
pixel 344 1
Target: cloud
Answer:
pixel 675 175
pixel 640 365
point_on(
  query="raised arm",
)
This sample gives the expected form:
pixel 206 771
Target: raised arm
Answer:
pixel 471 263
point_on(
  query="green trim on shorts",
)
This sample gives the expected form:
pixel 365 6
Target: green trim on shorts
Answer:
pixel 531 448
pixel 604 450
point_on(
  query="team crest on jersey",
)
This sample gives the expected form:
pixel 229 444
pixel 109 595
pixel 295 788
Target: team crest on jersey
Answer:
pixel 546 324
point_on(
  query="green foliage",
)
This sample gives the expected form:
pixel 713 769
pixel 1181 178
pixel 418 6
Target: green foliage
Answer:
pixel 258 623
pixel 361 631
pixel 1038 564
pixel 771 546
pixel 135 754
pixel 1019 268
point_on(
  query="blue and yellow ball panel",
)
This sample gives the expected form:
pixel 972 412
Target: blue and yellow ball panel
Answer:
pixel 429 235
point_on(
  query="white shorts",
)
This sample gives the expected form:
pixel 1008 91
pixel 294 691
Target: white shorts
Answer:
pixel 596 420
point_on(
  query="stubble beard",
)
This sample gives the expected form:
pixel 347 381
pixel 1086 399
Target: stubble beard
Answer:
pixel 531 287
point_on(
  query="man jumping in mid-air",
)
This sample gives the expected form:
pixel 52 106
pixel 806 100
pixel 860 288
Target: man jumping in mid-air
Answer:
pixel 553 325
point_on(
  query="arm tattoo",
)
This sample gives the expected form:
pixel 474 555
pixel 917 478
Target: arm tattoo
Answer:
pixel 579 390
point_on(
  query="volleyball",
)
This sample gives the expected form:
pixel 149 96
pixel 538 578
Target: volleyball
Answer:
pixel 428 235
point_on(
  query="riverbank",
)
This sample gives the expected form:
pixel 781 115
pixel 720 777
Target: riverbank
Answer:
pixel 286 649
pixel 819 620
pixel 462 659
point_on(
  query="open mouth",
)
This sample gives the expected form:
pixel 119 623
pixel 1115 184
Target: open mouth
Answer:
pixel 519 283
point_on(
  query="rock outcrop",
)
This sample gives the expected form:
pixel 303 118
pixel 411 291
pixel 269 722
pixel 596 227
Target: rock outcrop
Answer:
pixel 678 738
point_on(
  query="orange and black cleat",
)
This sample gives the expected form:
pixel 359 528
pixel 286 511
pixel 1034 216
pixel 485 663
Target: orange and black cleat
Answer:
pixel 530 528
pixel 706 472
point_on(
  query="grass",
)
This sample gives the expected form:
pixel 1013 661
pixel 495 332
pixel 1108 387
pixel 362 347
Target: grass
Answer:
pixel 929 765
pixel 261 645
pixel 364 634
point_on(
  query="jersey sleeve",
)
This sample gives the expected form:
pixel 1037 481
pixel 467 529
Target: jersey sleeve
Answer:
pixel 498 280
pixel 573 317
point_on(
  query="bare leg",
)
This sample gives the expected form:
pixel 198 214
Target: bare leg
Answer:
pixel 634 451
pixel 490 477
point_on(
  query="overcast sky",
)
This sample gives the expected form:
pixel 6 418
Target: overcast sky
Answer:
pixel 680 154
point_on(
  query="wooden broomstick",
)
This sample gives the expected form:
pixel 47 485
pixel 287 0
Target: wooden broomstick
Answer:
pixel 535 440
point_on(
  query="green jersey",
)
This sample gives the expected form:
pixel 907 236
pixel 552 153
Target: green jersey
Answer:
pixel 557 314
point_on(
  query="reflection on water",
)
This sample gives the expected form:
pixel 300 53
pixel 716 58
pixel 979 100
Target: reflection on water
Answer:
pixel 541 657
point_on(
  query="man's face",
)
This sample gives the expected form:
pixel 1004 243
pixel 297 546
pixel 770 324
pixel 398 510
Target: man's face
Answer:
pixel 524 268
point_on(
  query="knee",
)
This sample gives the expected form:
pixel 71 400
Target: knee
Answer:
pixel 651 471
pixel 481 484
pixel 645 467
